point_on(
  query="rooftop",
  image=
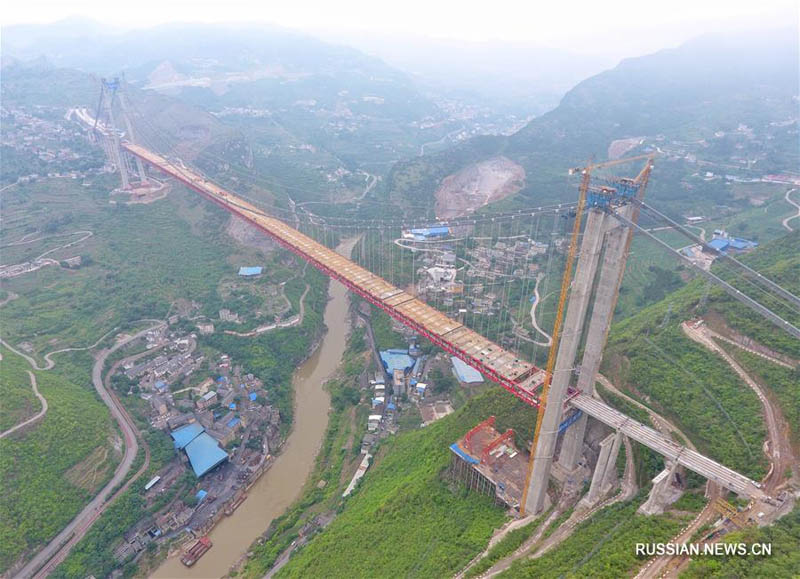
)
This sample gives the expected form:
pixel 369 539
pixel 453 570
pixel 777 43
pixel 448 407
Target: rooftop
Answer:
pixel 396 360
pixel 465 373
pixel 186 434
pixel 496 457
pixel 204 454
pixel 250 270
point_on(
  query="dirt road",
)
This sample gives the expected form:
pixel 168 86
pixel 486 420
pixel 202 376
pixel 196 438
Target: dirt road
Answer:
pixel 548 338
pixel 58 549
pixel 34 418
pixel 788 199
pixel 778 447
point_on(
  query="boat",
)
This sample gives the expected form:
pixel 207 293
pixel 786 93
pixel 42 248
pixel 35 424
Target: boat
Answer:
pixel 235 504
pixel 196 551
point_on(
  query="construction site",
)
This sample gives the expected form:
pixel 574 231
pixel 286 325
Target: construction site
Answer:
pixel 578 436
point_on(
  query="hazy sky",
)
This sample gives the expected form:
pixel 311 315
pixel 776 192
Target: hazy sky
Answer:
pixel 609 27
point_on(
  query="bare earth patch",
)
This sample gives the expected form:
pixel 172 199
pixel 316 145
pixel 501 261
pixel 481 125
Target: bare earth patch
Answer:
pixel 621 146
pixel 249 235
pixel 91 471
pixel 478 185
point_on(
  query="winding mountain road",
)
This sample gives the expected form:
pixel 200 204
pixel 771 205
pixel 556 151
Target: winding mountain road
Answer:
pixel 533 315
pixel 34 418
pixel 58 548
pixel 788 199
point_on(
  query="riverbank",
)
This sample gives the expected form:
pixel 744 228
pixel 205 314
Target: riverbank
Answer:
pixel 282 483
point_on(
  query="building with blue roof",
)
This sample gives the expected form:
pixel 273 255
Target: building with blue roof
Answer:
pixel 253 396
pixel 250 271
pixel 719 243
pixel 396 360
pixel 201 494
pixel 431 232
pixel 204 454
pixel 233 422
pixel 465 373
pixel 186 434
pixel 741 244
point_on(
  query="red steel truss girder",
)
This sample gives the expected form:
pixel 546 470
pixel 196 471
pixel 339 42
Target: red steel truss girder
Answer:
pixel 508 384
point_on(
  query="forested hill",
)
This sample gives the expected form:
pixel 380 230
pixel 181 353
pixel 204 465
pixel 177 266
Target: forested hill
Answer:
pixel 698 99
pixel 709 84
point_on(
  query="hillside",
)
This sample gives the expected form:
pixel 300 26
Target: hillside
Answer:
pixel 713 104
pixel 311 104
pixel 405 505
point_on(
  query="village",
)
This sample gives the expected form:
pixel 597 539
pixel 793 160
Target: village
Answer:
pixel 221 425
pixel 225 433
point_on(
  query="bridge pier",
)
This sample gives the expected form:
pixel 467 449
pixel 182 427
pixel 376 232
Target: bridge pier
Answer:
pixel 604 469
pixel 660 495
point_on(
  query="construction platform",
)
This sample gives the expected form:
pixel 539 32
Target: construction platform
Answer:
pixel 489 462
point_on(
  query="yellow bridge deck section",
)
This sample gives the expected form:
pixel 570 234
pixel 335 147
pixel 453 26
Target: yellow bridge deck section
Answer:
pixel 521 378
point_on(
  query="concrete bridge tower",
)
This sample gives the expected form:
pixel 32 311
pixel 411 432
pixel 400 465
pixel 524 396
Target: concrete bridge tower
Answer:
pixel 601 264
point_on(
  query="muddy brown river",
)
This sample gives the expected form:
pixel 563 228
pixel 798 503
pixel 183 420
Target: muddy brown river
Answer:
pixel 281 484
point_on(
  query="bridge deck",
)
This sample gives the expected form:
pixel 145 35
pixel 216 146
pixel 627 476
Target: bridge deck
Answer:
pixel 519 377
pixel 665 446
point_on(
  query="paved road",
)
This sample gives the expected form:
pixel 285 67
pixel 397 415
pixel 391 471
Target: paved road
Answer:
pixel 59 547
pixel 34 418
pixel 533 315
pixel 788 199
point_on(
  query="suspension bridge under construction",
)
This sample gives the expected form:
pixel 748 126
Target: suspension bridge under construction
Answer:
pixel 519 377
pixel 563 391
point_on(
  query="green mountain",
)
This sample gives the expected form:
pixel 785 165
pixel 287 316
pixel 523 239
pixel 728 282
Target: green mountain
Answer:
pixel 722 104
pixel 318 106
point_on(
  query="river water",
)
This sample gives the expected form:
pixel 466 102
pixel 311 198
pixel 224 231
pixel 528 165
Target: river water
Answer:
pixel 279 486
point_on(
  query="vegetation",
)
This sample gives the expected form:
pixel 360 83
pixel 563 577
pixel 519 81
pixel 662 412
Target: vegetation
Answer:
pixel 273 356
pixel 505 547
pixel 19 401
pixel 780 381
pixel 784 536
pixel 93 555
pixel 385 336
pixel 648 463
pixel 322 491
pixel 405 505
pixel 37 494
pixel 146 260
pixel 780 261
pixel 601 546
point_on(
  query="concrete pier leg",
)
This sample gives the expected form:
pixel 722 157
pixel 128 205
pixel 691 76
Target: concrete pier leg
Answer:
pixel 600 469
pixel 605 302
pixel 565 361
pixel 657 499
pixel 611 465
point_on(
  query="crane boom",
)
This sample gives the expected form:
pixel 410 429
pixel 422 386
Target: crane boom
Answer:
pixel 551 357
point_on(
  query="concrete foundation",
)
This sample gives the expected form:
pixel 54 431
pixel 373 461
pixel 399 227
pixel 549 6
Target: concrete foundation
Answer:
pixel 604 469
